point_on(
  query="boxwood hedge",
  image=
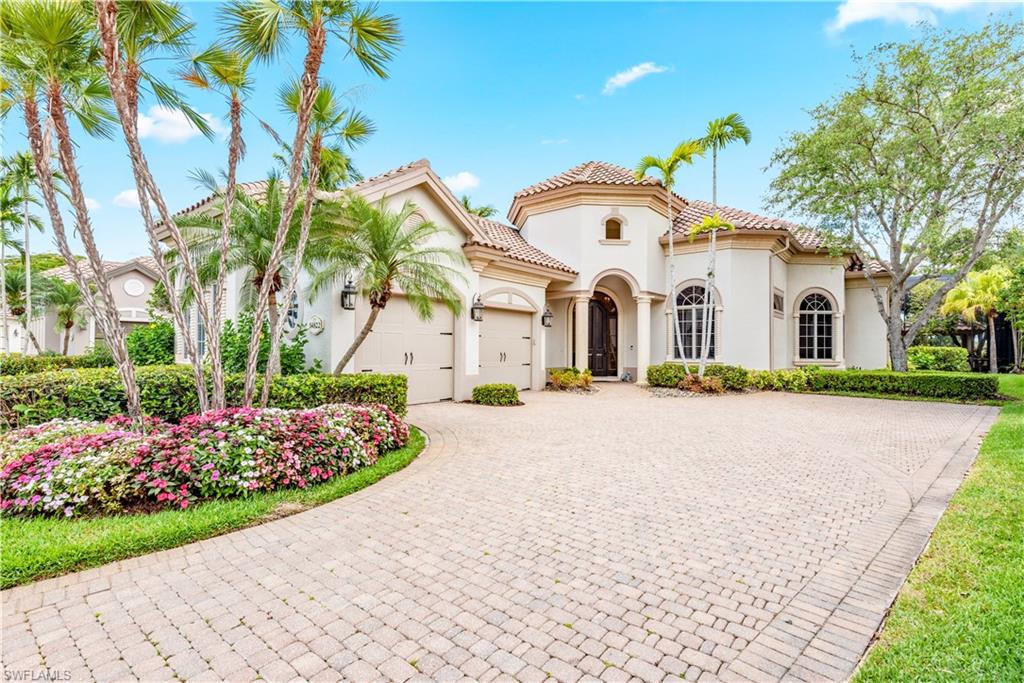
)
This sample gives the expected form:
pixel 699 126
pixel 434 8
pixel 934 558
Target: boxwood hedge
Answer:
pixel 734 378
pixel 496 395
pixel 958 386
pixel 21 364
pixel 169 392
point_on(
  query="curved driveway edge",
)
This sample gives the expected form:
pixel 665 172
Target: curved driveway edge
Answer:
pixel 615 536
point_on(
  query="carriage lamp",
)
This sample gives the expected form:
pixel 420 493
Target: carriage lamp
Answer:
pixel 476 311
pixel 348 295
pixel 547 317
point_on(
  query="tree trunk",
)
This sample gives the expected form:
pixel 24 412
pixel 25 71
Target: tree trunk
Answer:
pixel 897 344
pixel 124 91
pixel 360 338
pixel 213 338
pixel 28 269
pixel 316 40
pixel 993 356
pixel 5 329
pixel 67 338
pixel 709 280
pixel 1015 337
pixel 31 336
pixel 670 292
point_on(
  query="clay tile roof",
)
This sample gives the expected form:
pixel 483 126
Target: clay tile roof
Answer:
pixel 589 173
pixel 390 173
pixel 64 273
pixel 256 189
pixel 695 211
pixel 509 239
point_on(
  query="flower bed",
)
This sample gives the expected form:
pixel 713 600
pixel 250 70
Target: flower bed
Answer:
pixel 75 467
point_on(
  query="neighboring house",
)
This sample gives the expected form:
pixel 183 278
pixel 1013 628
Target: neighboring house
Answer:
pixel 590 246
pixel 131 283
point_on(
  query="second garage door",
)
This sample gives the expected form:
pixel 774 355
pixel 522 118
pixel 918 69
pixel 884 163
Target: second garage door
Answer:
pixel 506 347
pixel 402 344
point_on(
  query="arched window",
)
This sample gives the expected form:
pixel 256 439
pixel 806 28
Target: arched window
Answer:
pixel 613 229
pixel 690 311
pixel 815 327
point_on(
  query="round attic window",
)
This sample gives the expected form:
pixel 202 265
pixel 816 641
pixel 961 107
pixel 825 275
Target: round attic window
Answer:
pixel 134 287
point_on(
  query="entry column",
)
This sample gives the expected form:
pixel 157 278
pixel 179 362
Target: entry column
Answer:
pixel 581 305
pixel 643 337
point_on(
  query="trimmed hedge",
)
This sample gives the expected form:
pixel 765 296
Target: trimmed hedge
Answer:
pixel 496 395
pixel 734 378
pixel 959 386
pixel 168 392
pixel 945 358
pixel 21 364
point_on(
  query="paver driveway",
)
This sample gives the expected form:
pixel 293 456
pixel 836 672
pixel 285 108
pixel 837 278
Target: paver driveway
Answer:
pixel 609 536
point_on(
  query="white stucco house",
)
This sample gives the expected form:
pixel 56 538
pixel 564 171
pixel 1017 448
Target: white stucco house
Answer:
pixel 590 246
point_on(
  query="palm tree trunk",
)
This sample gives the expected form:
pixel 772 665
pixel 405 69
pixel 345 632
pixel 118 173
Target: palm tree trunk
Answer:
pixel 105 310
pixel 28 268
pixel 709 280
pixel 277 329
pixel 67 338
pixel 235 147
pixel 993 358
pixel 124 91
pixel 670 294
pixel 5 330
pixel 1015 336
pixel 360 338
pixel 316 40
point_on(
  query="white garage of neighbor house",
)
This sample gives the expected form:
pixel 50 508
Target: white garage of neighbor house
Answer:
pixel 588 247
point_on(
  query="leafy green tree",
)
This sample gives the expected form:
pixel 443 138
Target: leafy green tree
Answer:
pixel 152 344
pixel 720 133
pixel 978 296
pixel 925 147
pixel 386 251
pixel 667 167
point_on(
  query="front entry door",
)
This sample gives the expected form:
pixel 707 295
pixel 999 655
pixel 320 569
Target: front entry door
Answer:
pixel 602 343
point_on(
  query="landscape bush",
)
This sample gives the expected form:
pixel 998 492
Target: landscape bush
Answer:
pixel 945 358
pixel 570 378
pixel 234 346
pixel 152 344
pixel 733 377
pixel 702 385
pixel 168 393
pixel 496 395
pixel 794 379
pixel 102 468
pixel 958 386
pixel 21 364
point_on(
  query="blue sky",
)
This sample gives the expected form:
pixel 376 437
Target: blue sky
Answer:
pixel 502 95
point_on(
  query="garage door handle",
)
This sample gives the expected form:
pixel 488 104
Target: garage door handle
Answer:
pixel 406 361
pixel 412 358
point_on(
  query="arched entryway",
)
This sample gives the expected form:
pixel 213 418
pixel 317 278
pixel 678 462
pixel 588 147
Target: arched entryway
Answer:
pixel 602 342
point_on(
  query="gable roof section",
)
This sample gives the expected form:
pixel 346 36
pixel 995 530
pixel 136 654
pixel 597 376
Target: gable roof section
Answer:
pixel 516 247
pixel 695 210
pixel 589 173
pixel 145 264
pixel 256 189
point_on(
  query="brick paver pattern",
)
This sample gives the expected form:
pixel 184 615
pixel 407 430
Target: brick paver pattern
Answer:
pixel 615 536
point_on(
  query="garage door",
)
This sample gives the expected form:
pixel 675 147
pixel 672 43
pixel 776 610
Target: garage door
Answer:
pixel 506 347
pixel 401 343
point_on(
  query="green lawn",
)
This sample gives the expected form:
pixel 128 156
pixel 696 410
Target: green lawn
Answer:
pixel 960 616
pixel 32 549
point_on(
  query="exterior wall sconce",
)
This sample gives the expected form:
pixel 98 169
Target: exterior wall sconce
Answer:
pixel 547 317
pixel 476 311
pixel 348 295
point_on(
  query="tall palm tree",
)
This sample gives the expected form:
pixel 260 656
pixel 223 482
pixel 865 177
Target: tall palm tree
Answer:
pixel 259 30
pixel 132 34
pixel 68 304
pixel 720 133
pixel 667 167
pixel 328 121
pixel 17 302
pixel 19 171
pixel 11 216
pixel 978 295
pixel 387 251
pixel 485 211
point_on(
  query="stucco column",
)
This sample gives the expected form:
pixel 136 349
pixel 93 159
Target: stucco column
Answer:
pixel 839 339
pixel 582 308
pixel 643 337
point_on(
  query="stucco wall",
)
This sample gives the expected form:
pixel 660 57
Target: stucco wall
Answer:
pixel 865 331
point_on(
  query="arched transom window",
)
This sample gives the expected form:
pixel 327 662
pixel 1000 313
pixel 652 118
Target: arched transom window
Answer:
pixel 815 327
pixel 690 312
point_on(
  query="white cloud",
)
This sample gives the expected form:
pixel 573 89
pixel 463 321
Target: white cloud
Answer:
pixel 170 125
pixel 579 98
pixel 554 141
pixel 461 181
pixel 633 73
pixel 907 12
pixel 92 204
pixel 128 199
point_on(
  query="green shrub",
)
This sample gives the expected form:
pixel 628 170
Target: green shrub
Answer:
pixel 665 375
pixel 570 378
pixel 946 358
pixel 168 392
pixel 733 377
pixel 795 379
pixel 97 356
pixel 20 364
pixel 152 344
pixel 496 395
pixel 234 347
pixel 958 386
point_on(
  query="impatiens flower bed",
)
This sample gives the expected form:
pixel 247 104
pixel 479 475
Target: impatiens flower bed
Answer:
pixel 73 467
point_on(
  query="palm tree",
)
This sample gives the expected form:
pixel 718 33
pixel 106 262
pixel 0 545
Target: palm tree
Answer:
pixel 387 250
pixel 720 133
pixel 485 211
pixel 258 30
pixel 978 295
pixel 19 172
pixel 11 215
pixel 68 303
pixel 329 120
pixel 17 302
pixel 667 167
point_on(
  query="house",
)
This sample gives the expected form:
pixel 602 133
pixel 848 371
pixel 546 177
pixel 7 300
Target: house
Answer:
pixel 579 278
pixel 131 283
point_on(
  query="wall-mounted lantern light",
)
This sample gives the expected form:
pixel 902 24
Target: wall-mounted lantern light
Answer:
pixel 348 295
pixel 547 317
pixel 476 311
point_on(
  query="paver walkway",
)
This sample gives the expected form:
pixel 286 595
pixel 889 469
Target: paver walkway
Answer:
pixel 615 536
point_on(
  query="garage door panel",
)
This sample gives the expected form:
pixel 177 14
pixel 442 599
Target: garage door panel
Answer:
pixel 506 347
